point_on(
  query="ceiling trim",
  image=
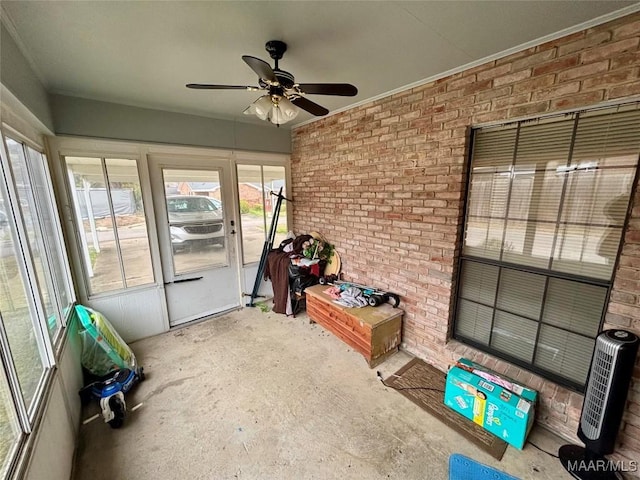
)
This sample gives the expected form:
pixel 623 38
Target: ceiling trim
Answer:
pixel 532 43
pixel 19 118
pixel 9 24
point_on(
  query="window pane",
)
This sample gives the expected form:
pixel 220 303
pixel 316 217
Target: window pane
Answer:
pixel 9 427
pixel 31 217
pixel 478 282
pixel 196 219
pixel 126 198
pixel 483 237
pixel 586 250
pixel 599 197
pixel 520 201
pixel 607 248
pixel 474 321
pixel 252 215
pixel 493 149
pixel 488 195
pixel 15 310
pixel 528 243
pixel 111 262
pixel 545 145
pixel 574 306
pixel 608 138
pixel 274 179
pixel 521 293
pixel 564 353
pixel 256 183
pixel 536 195
pixel 96 226
pixel 50 225
pixel 513 335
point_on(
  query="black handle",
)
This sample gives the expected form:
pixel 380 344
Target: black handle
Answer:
pixel 182 280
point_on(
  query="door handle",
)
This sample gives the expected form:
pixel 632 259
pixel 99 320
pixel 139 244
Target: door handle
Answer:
pixel 182 280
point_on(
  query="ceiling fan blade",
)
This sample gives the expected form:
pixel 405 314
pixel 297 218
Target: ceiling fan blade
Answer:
pixel 309 106
pixel 207 86
pixel 262 68
pixel 342 89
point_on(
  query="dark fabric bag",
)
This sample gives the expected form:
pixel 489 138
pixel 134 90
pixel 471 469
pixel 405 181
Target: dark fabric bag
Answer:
pixel 300 283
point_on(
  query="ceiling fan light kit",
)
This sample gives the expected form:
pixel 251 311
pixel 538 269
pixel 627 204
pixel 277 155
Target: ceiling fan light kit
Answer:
pixel 277 110
pixel 283 95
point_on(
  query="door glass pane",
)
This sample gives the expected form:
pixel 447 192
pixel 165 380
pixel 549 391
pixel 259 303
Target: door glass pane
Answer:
pixel 195 219
pixel 126 198
pixel 9 427
pixel 31 217
pixel 15 309
pixel 252 215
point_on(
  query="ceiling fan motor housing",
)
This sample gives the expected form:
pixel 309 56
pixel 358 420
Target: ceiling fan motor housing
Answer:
pixel 286 81
pixel 276 49
pixel 284 78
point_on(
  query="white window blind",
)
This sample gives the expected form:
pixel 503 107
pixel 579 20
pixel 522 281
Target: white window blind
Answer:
pixel 546 209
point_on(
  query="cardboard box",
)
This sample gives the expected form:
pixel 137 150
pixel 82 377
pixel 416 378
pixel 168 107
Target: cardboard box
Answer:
pixel 498 378
pixel 496 409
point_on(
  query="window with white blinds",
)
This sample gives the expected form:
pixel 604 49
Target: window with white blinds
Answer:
pixel 546 209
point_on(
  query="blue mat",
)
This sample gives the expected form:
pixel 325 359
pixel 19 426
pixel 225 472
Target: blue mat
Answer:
pixel 463 468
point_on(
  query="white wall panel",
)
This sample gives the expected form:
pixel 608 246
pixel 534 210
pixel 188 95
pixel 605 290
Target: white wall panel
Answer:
pixel 52 457
pixel 135 314
pixel 249 277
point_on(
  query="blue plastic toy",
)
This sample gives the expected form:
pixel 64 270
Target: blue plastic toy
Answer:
pixel 108 358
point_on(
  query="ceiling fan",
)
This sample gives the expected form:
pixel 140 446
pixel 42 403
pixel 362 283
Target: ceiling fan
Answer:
pixel 283 95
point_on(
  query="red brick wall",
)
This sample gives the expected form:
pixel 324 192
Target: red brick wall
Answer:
pixel 249 194
pixel 385 182
pixel 624 312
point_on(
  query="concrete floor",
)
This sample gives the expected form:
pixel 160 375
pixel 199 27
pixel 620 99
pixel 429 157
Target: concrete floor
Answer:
pixel 254 395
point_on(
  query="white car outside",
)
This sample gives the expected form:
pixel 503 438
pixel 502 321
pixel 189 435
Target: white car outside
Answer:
pixel 194 220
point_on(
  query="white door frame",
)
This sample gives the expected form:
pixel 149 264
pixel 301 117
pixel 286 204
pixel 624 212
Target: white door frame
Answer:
pixel 212 289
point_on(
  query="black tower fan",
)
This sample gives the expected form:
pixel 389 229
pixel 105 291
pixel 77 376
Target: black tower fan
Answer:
pixel 604 401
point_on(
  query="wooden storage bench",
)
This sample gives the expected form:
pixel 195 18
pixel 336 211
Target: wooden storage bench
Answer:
pixel 373 331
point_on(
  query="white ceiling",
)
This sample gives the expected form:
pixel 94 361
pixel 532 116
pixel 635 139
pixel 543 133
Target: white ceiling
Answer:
pixel 142 53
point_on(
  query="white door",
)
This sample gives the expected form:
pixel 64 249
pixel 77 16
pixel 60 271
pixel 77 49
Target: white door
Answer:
pixel 196 230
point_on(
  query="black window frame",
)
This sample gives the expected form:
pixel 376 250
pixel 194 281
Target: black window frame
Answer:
pixel 548 273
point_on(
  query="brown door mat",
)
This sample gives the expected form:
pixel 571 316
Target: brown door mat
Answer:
pixel 417 373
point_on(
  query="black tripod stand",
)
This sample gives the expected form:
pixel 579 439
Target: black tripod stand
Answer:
pixel 268 245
